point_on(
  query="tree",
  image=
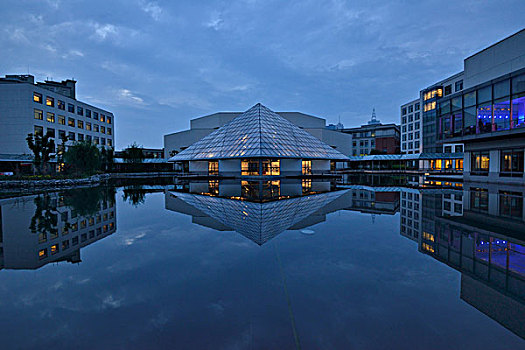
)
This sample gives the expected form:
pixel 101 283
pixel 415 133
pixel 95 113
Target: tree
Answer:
pixel 133 154
pixel 42 146
pixel 83 158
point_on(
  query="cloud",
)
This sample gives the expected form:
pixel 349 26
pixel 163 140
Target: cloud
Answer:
pixel 215 22
pixel 127 96
pixel 102 31
pixel 152 9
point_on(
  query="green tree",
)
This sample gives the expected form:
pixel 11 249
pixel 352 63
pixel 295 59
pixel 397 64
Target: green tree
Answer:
pixel 83 158
pixel 133 154
pixel 42 146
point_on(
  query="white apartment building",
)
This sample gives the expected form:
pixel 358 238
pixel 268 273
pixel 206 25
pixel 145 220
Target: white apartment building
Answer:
pixel 48 107
pixel 411 128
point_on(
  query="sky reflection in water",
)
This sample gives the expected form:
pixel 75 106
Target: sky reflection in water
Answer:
pixel 157 279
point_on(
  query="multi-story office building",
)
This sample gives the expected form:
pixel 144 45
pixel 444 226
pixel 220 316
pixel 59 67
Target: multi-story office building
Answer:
pixel 411 213
pixel 488 115
pixel 481 112
pixel 52 108
pixel 374 137
pixel 411 128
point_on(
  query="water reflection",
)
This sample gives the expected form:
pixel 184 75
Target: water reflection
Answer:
pixel 51 227
pixel 477 230
pixel 258 210
pixel 480 232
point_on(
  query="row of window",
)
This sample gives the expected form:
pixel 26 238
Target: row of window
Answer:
pixel 39 130
pixel 499 106
pixel 511 162
pixel 411 127
pixel 66 244
pixel 411 136
pixel 410 145
pixel 410 109
pixel 50 101
pixel 410 118
pixel 50 117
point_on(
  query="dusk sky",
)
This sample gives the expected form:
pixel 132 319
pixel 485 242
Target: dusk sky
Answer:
pixel 156 65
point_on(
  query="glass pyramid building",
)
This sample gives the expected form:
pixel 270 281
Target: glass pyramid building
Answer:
pixel 259 133
pixel 259 222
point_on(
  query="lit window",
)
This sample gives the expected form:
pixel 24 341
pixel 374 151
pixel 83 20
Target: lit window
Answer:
pixel 54 249
pixel 71 122
pixel 39 114
pixel 250 167
pixel 108 119
pixel 306 167
pixel 271 167
pixel 102 129
pixel 88 126
pixel 42 253
pixel 61 120
pixel 110 143
pixel 61 105
pixel 102 118
pixel 37 97
pixel 80 124
pixel 50 101
pixel 213 167
pixel 50 117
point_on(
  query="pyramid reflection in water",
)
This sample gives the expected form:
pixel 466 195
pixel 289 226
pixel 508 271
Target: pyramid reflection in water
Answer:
pixel 258 221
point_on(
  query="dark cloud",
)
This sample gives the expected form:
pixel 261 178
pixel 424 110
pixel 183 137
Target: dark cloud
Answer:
pixel 158 64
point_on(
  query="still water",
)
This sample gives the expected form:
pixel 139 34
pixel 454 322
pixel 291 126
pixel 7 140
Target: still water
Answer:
pixel 263 265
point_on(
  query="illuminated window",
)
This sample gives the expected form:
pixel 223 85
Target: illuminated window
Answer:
pixel 213 167
pixel 271 167
pixel 42 253
pixel 108 119
pixel 37 97
pixel 459 164
pixel 54 249
pixel 50 117
pixel 61 105
pixel 88 126
pixel 511 163
pixel 480 162
pixel 250 167
pixel 102 118
pixel 61 120
pixel 50 101
pixel 80 124
pixel 306 167
pixel 110 143
pixel 71 122
pixel 102 129
pixel 39 114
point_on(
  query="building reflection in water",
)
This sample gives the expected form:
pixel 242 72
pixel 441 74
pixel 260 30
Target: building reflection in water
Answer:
pixel 480 232
pixel 51 227
pixel 259 210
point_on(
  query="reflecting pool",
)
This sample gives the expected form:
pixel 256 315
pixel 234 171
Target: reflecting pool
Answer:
pixel 290 263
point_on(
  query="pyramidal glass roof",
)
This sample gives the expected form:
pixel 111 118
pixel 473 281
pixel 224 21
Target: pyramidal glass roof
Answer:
pixel 257 133
pixel 259 222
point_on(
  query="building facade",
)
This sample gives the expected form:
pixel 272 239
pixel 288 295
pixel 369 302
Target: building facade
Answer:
pixel 52 108
pixel 488 115
pixel 411 128
pixel 374 137
pixel 203 126
pixel 258 142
